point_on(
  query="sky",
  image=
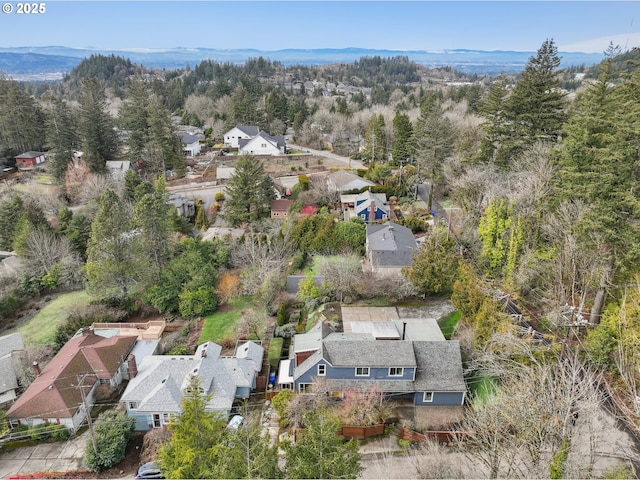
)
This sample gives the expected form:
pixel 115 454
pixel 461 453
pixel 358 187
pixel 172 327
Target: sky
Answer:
pixel 575 26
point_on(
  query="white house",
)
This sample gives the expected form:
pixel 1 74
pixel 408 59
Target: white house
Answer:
pixel 262 144
pixel 190 144
pixel 240 132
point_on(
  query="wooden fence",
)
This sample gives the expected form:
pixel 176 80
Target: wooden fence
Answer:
pixel 362 432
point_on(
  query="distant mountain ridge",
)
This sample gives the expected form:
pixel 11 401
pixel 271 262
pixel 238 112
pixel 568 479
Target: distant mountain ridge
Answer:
pixel 34 62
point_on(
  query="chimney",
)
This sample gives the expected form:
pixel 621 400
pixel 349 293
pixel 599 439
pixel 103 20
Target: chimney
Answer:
pixel 372 212
pixel 36 368
pixel 132 366
pixel 404 329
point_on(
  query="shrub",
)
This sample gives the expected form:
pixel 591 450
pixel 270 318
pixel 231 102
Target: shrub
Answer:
pixel 112 430
pixel 294 317
pixel 282 314
pixel 59 432
pixel 281 402
pixel 285 331
pixel 219 197
pixel 39 432
pixel 180 349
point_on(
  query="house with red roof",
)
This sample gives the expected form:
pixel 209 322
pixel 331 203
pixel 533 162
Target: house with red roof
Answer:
pixel 65 389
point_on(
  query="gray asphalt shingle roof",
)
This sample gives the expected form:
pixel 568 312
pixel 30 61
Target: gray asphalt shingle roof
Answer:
pixel 390 244
pixel 439 367
pixel 162 379
pixel 371 353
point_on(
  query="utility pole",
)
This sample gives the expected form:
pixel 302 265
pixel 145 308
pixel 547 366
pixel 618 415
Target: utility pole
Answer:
pixel 87 411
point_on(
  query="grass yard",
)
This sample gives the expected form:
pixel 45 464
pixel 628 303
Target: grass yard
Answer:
pixel 482 387
pixel 222 325
pixel 448 323
pixel 41 328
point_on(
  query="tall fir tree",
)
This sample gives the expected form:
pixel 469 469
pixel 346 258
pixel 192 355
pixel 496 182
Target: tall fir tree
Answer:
pixel 62 136
pixel 249 192
pixel 536 106
pixel 98 136
pixel 114 251
pixel 21 119
pixel 403 140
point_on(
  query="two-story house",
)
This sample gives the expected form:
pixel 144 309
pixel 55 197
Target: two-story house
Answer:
pixel 423 368
pixel 370 207
pixel 240 132
pixel 262 144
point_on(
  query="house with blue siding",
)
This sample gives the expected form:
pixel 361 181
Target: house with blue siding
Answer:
pixel 155 394
pixel 424 372
pixel 370 207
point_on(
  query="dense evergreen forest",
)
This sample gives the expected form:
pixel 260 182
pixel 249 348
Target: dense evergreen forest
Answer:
pixel 538 173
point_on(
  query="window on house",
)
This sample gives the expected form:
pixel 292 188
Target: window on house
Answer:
pixel 133 405
pixel 362 371
pixel 396 371
pixel 322 370
pixel 304 388
pixel 427 397
pixel 156 420
pixel 104 381
pixel 263 145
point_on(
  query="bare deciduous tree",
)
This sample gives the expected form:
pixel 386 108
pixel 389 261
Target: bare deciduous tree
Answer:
pixel 45 250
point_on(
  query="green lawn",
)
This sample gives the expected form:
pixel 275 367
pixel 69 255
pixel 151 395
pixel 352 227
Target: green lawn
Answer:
pixel 448 323
pixel 482 387
pixel 222 325
pixel 41 329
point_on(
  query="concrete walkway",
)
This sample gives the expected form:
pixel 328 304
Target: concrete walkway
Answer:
pixel 45 457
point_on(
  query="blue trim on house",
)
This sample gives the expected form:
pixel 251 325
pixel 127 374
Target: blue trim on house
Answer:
pixel 349 373
pixel 440 399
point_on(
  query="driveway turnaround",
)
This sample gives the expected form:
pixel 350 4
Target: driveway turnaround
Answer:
pixel 45 457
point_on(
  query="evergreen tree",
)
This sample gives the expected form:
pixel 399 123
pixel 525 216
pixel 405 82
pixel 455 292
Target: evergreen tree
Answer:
pixel 536 107
pixel 21 119
pixel 496 125
pixel 320 452
pixel 249 192
pixel 435 140
pixel 134 115
pixel 250 455
pixel 435 266
pixel 196 448
pixel 375 141
pixel 403 143
pixel 113 251
pixel 10 213
pixel 151 219
pixel 96 127
pixel 598 164
pixel 62 137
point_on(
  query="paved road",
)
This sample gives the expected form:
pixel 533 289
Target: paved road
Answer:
pixel 45 457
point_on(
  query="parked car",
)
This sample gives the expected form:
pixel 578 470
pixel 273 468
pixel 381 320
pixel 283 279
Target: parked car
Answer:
pixel 235 422
pixel 150 470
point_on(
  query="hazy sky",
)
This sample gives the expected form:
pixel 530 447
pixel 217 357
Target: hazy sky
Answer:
pixel 586 26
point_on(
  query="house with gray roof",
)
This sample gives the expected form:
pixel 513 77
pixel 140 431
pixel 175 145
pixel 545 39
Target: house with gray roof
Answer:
pixel 10 346
pixel 389 248
pixel 240 132
pixel 155 394
pixel 343 181
pixel 190 144
pixel 425 373
pixel 262 144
